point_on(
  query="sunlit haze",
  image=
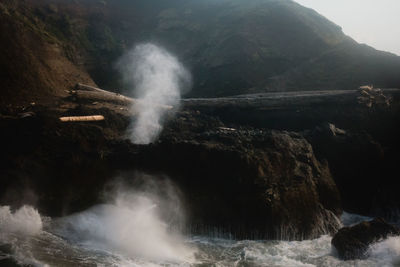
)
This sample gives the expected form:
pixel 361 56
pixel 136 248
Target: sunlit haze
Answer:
pixel 376 23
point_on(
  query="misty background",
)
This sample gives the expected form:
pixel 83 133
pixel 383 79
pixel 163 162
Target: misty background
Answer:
pixel 376 23
pixel 230 47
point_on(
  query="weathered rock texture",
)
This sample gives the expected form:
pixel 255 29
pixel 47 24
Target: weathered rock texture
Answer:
pixel 353 242
pixel 249 182
pixel 238 178
pixel 264 183
pixel 355 159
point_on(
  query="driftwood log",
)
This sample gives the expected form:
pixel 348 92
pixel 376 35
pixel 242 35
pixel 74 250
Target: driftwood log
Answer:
pixel 84 87
pixel 82 118
pixel 91 93
pixel 371 96
pixel 104 97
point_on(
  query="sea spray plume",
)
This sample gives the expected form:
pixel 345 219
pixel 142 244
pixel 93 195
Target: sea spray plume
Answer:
pixel 132 223
pixel 16 230
pixel 166 197
pixel 25 221
pixel 158 79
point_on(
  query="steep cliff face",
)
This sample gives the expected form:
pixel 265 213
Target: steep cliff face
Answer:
pixel 236 174
pixel 250 183
pixel 33 62
pixel 230 46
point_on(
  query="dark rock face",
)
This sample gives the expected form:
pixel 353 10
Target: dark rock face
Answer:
pixel 33 64
pixel 250 182
pixel 355 160
pixel 237 178
pixel 5 259
pixel 352 242
pixel 9 263
pixel 363 158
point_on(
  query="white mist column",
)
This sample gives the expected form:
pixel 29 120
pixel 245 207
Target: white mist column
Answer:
pixel 158 79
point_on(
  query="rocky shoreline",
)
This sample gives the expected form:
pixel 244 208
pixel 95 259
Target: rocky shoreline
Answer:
pixel 353 242
pixel 254 167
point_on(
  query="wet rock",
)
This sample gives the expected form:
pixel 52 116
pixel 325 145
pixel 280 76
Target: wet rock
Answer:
pixel 8 262
pixel 328 130
pixel 353 242
pixel 253 183
pixel 250 182
pixel 354 159
pixel 26 115
pixel 5 256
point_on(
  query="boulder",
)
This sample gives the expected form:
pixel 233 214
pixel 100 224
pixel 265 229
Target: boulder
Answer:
pixel 353 242
pixel 252 183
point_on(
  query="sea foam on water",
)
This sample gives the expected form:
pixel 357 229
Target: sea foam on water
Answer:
pixel 24 221
pixel 132 223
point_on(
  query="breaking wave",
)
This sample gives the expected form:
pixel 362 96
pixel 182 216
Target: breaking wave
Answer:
pixel 131 231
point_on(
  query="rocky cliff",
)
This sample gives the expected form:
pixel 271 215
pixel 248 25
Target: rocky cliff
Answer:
pixel 236 177
pixel 267 165
pixel 33 62
pixel 230 46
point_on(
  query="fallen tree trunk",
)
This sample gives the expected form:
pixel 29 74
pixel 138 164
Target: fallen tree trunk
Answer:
pixel 96 94
pixel 84 87
pixel 104 97
pixel 82 118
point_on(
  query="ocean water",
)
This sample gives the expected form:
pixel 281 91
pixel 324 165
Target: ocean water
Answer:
pixel 116 235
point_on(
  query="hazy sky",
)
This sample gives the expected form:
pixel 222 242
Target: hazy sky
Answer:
pixel 374 22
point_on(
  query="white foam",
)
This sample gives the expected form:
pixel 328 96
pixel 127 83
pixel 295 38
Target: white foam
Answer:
pixel 24 221
pixel 386 252
pixel 284 253
pixel 129 231
pixel 317 252
pixel 16 230
pixel 350 219
pixel 130 226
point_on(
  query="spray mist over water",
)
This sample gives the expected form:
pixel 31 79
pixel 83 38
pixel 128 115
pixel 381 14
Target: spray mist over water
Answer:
pixel 115 234
pixel 158 79
pixel 16 230
pixel 24 221
pixel 141 222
